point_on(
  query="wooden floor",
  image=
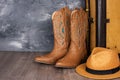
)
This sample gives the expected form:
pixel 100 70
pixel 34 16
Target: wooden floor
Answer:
pixel 20 66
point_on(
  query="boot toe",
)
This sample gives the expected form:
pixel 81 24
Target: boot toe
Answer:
pixel 39 59
pixel 44 60
pixel 60 64
pixel 65 64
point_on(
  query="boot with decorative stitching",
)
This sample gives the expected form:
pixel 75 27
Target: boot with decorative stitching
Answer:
pixel 61 25
pixel 77 50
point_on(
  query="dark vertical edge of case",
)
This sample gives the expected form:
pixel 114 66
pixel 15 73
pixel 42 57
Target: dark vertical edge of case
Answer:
pixel 89 28
pixel 101 23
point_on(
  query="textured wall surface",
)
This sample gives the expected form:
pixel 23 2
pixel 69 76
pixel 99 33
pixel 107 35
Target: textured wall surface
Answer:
pixel 25 25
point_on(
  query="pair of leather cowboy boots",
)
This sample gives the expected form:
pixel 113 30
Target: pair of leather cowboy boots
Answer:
pixel 70 29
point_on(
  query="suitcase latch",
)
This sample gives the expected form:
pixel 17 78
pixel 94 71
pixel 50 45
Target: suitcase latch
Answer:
pixel 90 20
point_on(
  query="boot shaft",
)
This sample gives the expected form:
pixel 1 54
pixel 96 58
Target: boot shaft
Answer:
pixel 61 25
pixel 79 23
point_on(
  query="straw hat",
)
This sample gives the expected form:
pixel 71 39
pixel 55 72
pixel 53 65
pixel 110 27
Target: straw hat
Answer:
pixel 102 64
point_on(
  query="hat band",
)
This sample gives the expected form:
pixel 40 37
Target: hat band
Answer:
pixel 102 72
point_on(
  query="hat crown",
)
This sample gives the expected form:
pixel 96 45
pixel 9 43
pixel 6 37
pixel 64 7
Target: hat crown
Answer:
pixel 103 59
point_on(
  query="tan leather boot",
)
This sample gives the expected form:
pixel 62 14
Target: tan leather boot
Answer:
pixel 77 50
pixel 61 25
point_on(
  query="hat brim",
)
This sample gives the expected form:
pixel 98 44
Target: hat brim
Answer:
pixel 81 69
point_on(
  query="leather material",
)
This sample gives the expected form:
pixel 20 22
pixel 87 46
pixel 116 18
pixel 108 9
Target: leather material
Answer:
pixel 77 50
pixel 61 25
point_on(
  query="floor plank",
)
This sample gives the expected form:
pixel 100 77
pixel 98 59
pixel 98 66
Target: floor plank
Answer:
pixel 20 66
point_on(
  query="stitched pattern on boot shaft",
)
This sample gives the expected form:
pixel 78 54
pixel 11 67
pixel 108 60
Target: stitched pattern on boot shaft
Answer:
pixel 79 27
pixel 76 32
pixel 58 29
pixel 61 24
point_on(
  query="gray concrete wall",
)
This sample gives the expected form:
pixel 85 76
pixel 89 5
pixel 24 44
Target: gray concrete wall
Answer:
pixel 25 25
